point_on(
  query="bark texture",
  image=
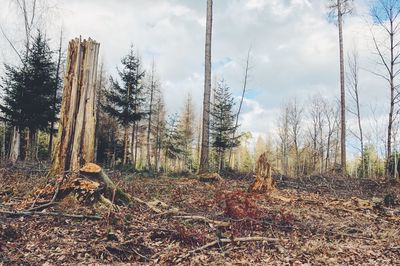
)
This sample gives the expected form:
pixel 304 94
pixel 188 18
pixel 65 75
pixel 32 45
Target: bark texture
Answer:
pixel 207 93
pixel 15 145
pixel 342 91
pixel 76 136
pixel 264 181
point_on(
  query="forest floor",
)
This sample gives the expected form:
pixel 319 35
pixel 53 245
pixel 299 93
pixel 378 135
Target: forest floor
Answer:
pixel 315 220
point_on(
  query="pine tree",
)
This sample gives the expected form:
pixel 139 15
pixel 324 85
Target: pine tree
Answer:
pixel 29 90
pixel 124 102
pixel 223 122
pixel 173 142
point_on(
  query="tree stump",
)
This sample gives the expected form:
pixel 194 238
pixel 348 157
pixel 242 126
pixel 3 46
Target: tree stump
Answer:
pixel 76 134
pixel 95 173
pixel 76 137
pixel 263 182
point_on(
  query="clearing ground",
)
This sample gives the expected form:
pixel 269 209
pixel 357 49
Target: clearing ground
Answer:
pixel 315 220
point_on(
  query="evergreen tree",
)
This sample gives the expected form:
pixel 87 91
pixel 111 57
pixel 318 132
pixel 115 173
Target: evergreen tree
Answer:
pixel 223 122
pixel 29 89
pixel 125 102
pixel 174 145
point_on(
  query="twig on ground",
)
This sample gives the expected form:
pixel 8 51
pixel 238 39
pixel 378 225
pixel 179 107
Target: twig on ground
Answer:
pixel 203 219
pixel 57 214
pixel 227 240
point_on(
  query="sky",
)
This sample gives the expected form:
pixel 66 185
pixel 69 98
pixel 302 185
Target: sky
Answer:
pixel 294 50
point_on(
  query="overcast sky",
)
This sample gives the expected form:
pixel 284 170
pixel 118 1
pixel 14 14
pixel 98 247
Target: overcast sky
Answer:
pixel 293 43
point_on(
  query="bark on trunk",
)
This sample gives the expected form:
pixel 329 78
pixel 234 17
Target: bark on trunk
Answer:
pixel 78 110
pixel 31 145
pixel 264 181
pixel 126 145
pixel 15 145
pixel 152 87
pixel 207 92
pixel 342 91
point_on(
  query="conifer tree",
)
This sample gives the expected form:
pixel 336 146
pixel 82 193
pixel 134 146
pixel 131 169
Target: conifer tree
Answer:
pixel 173 142
pixel 28 91
pixel 125 99
pixel 223 122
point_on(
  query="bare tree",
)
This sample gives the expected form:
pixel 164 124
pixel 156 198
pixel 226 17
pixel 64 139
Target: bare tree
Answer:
pixel 207 92
pixel 386 14
pixel 186 126
pixel 340 8
pixel 246 75
pixel 152 88
pixel 331 118
pixel 294 117
pixel 283 132
pixel 316 114
pixel 352 81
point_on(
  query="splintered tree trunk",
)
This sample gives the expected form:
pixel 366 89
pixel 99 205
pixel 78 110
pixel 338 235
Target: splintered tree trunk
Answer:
pixel 264 181
pixel 76 141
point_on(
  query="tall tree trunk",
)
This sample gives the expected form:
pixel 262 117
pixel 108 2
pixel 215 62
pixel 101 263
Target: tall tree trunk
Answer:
pixel 354 93
pixel 76 140
pixel 126 145
pixel 15 145
pixel 152 87
pixel 342 91
pixel 54 103
pixel 136 128
pixel 207 93
pixel 30 148
pixel 392 97
pixel 3 143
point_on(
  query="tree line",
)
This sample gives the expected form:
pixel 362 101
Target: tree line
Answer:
pixel 135 131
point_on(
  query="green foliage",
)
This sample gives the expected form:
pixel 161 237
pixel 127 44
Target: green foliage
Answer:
pixel 222 124
pixel 29 89
pixel 43 151
pixel 394 165
pixel 174 144
pixel 124 102
pixel 370 165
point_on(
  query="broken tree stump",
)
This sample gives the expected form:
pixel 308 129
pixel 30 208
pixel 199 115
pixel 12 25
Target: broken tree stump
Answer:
pixel 76 136
pixel 263 182
pixel 95 173
pixel 89 186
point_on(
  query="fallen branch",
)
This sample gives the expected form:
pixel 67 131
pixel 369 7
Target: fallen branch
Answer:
pixel 41 207
pixel 150 206
pixel 13 214
pixel 203 219
pixel 228 240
